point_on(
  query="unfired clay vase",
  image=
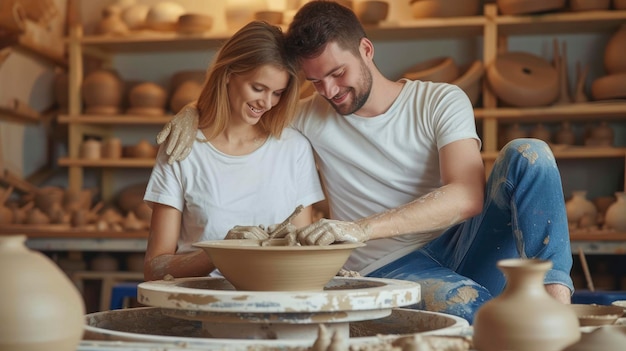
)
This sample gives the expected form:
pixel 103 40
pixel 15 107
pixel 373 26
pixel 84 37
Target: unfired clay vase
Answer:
pixel 581 213
pixel 615 217
pixel 518 7
pixel 444 8
pixel 438 69
pixel 148 99
pixel 523 80
pixel 615 52
pixel 40 307
pixel 102 92
pixel 525 317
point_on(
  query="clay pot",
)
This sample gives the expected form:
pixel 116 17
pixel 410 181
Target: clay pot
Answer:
pixel 581 213
pixel 47 196
pixel 40 307
pixel 439 69
pixel 102 92
pixel 602 204
pixel 130 197
pixel 111 22
pixel 37 217
pixel 134 262
pixel 187 92
pixel 444 8
pixel 609 87
pixel 240 12
pixel 196 23
pixel 541 132
pixel 525 317
pixel 514 131
pixel 91 149
pixel 614 57
pixel 471 81
pixel 147 98
pixel 615 217
pixel 163 16
pixel 104 262
pixel 523 80
pixel 565 135
pixel 143 149
pixel 601 135
pixel 180 77
pixel 135 16
pixel 370 12
pixel 518 7
pixel 589 5
pixel 112 148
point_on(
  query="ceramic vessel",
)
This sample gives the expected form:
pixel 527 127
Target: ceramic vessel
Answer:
pixel 581 213
pixel 240 12
pixel 518 7
pixel 370 12
pixel 601 135
pixel 565 134
pixel 40 307
pixel 541 132
pixel 111 22
pixel 91 149
pixel 135 16
pixel 102 92
pixel 615 217
pixel 438 69
pixel 607 338
pixel 525 317
pixel 471 81
pixel 187 92
pixel 619 4
pixel 112 148
pixel 612 86
pixel 147 99
pixel 191 23
pixel 523 80
pixel 594 315
pixel 163 16
pixel 615 52
pixel 589 5
pixel 444 8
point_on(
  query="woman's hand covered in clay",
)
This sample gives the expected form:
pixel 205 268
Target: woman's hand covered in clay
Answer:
pixel 247 232
pixel 327 231
pixel 180 133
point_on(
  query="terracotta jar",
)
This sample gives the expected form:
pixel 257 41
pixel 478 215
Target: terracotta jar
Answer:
pixel 523 80
pixel 102 92
pixel 91 149
pixel 608 87
pixel 615 52
pixel 541 132
pixel 615 217
pixel 525 317
pixel 40 307
pixel 187 92
pixel 602 135
pixel 111 22
pixel 135 16
pixel 163 15
pixel 147 98
pixel 112 148
pixel 565 135
pixel 581 213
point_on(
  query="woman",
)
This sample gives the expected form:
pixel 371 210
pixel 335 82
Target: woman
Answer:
pixel 245 167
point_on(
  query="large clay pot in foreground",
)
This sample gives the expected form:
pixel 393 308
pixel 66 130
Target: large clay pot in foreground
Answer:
pixel 40 308
pixel 525 317
pixel 523 80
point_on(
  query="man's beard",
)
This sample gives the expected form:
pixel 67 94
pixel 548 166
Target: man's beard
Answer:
pixel 359 100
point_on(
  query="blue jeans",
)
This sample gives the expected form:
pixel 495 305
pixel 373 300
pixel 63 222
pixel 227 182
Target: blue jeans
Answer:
pixel 523 216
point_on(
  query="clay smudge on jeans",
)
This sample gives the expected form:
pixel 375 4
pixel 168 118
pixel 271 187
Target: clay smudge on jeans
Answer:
pixel 524 149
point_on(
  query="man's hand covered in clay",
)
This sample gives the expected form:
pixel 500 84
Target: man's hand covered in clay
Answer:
pixel 327 231
pixel 247 232
pixel 182 131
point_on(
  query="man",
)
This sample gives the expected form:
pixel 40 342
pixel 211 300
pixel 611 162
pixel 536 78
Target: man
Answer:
pixel 401 165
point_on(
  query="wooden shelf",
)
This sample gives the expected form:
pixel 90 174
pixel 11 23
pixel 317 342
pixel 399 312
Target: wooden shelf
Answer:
pixel 114 119
pixel 108 163
pixel 560 23
pixel 155 41
pixel 11 115
pixel 613 109
pixel 63 231
pixel 597 235
pixel 428 28
pixel 573 152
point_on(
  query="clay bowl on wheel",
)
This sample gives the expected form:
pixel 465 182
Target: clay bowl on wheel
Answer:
pixel 593 315
pixel 249 266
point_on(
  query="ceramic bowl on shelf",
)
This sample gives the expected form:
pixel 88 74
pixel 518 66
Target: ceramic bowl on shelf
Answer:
pixel 612 86
pixel 370 12
pixel 444 8
pixel 470 80
pixel 593 315
pixel 438 69
pixel 192 23
pixel 248 265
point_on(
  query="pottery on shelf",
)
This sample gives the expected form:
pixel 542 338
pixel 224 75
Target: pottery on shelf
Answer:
pixel 91 149
pixel 615 216
pixel 524 317
pixel 112 148
pixel 615 52
pixel 41 309
pixel 111 22
pixel 612 86
pixel 186 92
pixel 191 23
pixel 147 99
pixel 438 69
pixel 512 132
pixel 581 212
pixel 523 80
pixel 135 16
pixel 444 8
pixel 519 7
pixel 102 92
pixel 619 4
pixel 240 12
pixel 470 81
pixel 540 132
pixel 565 134
pixel 601 135
pixel 163 16
pixel 370 12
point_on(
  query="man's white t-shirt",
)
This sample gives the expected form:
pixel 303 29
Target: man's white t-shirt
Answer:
pixel 370 165
pixel 215 191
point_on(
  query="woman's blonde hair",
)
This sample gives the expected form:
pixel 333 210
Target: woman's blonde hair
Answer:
pixel 256 44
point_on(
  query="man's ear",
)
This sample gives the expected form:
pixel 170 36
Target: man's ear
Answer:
pixel 367 49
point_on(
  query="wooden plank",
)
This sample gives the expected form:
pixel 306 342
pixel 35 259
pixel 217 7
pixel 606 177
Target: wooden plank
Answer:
pixel 64 231
pixel 615 109
pixel 115 119
pixel 118 163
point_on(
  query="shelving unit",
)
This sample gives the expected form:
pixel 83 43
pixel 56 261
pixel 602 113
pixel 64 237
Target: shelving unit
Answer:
pixel 493 28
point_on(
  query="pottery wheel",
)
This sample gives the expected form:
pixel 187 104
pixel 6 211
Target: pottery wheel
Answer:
pixel 229 313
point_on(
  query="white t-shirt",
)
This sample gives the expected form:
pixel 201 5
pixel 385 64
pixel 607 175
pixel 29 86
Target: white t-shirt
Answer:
pixel 215 191
pixel 369 165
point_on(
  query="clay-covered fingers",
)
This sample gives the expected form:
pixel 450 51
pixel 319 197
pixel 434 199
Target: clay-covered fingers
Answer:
pixel 180 133
pixel 281 230
pixel 327 231
pixel 164 133
pixel 315 234
pixel 246 232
